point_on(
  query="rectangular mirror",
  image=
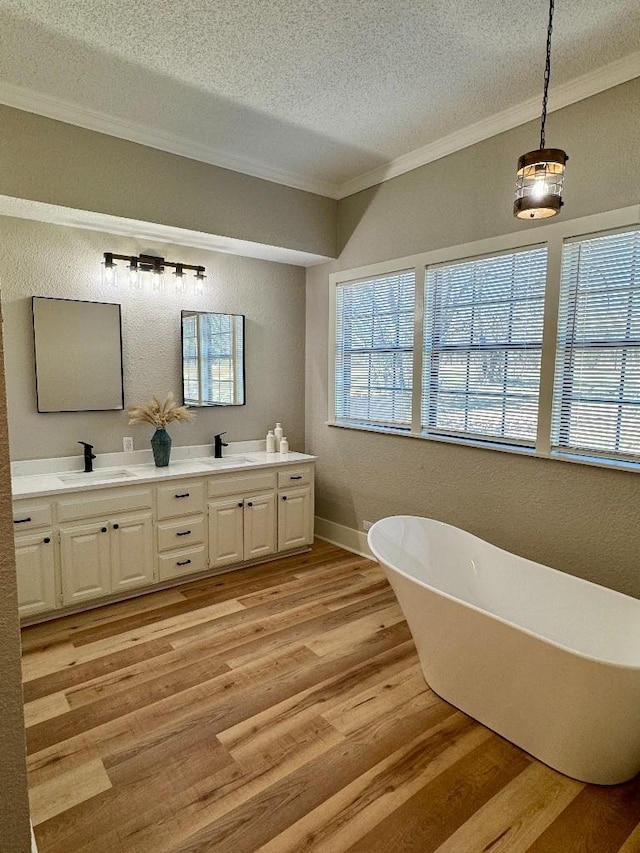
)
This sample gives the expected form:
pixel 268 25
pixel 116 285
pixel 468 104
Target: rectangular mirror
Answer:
pixel 78 355
pixel 213 359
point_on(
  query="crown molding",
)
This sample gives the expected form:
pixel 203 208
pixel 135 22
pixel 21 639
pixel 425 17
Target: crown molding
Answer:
pixel 154 232
pixel 595 81
pixel 52 107
pixel 561 96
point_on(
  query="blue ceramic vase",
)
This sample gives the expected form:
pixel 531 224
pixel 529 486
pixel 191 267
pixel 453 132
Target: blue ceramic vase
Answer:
pixel 161 446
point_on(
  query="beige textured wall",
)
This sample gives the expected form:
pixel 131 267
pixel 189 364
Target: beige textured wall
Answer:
pixel 57 163
pixel 14 805
pixel 52 260
pixel 580 519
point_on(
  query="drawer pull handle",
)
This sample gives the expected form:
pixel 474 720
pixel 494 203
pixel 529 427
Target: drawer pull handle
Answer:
pixel 183 563
pixel 296 477
pixel 240 503
pixel 249 503
pixel 21 520
pixel 185 495
pixel 183 533
pixel 116 526
pixel 103 529
pixel 46 540
pixel 284 497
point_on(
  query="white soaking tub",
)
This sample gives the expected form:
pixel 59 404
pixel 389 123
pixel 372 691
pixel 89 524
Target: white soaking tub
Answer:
pixel 549 661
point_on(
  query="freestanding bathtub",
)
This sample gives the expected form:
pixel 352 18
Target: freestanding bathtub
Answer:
pixel 547 660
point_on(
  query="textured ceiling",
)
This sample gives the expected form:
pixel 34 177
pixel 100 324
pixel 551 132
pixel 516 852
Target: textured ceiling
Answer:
pixel 303 91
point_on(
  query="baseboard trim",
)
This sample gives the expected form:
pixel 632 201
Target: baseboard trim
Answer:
pixel 34 846
pixel 345 537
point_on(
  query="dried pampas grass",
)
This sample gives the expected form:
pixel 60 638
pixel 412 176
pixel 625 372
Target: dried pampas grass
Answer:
pixel 159 413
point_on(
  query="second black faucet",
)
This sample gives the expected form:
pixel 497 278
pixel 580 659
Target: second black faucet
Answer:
pixel 89 456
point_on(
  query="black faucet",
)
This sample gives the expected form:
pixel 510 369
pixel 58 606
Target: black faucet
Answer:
pixel 89 456
pixel 218 444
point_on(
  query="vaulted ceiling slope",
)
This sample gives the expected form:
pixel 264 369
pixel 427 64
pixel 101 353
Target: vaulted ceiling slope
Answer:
pixel 328 96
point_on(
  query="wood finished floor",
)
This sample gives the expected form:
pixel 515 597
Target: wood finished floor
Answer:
pixel 279 709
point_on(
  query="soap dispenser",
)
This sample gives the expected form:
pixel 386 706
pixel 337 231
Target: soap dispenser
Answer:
pixel 279 433
pixel 271 442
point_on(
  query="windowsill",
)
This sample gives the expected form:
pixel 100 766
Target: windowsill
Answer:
pixel 593 461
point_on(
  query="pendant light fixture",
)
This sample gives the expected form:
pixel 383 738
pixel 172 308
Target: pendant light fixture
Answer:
pixel 541 173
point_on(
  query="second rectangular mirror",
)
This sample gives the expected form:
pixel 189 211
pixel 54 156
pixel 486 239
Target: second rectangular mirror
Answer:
pixel 212 359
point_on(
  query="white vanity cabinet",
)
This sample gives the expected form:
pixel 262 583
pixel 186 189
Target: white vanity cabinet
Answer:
pixel 181 531
pixel 295 507
pixel 106 543
pixel 75 546
pixel 36 557
pixel 242 517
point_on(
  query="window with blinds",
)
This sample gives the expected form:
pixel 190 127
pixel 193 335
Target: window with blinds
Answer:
pixel 482 347
pixel 597 383
pixel 374 350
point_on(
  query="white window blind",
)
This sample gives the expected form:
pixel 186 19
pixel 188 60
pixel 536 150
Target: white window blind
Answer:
pixel 597 383
pixel 482 347
pixel 374 350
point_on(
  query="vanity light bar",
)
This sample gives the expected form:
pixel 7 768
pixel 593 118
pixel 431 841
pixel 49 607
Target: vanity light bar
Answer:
pixel 153 267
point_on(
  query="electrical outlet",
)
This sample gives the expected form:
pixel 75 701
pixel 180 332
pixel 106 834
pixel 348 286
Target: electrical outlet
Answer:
pixel 366 525
pixel 127 443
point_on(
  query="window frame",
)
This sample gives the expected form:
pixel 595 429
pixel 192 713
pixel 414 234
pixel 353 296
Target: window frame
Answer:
pixel 349 352
pixel 564 375
pixel 553 236
pixel 471 347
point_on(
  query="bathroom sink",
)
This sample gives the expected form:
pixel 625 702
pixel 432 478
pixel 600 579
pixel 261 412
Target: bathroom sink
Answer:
pixel 96 476
pixel 226 462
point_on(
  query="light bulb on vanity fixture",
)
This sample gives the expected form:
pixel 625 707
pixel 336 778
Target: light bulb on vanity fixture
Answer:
pixel 199 281
pixel 540 176
pixel 146 272
pixel 108 270
pixel 180 279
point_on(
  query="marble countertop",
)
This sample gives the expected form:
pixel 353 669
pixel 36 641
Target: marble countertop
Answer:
pixel 45 477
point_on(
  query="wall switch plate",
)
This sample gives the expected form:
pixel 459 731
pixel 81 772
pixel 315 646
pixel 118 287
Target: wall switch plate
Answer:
pixel 127 443
pixel 366 525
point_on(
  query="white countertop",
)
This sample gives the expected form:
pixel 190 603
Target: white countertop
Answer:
pixel 43 477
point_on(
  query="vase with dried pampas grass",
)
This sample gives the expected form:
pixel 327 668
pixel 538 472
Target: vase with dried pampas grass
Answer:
pixel 159 413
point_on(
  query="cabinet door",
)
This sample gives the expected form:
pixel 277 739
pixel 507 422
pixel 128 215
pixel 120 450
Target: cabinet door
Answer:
pixel 294 519
pixel 35 567
pixel 225 532
pixel 259 526
pixel 131 542
pixel 84 557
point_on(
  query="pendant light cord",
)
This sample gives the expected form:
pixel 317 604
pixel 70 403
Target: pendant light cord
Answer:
pixel 547 75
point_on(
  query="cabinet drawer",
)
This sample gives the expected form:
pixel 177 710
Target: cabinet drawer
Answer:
pixel 295 477
pixel 181 534
pixel 185 562
pixel 184 498
pixel 233 484
pixel 28 515
pixel 109 502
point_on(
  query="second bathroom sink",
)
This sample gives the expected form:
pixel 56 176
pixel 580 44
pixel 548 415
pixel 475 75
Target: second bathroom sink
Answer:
pixel 98 476
pixel 225 462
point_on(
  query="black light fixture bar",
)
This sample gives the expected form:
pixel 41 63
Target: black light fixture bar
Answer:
pixel 151 263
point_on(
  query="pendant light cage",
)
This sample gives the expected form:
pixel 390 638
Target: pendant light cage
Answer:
pixel 539 183
pixel 540 176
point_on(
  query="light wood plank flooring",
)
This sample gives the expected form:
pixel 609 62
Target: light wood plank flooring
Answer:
pixel 279 709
